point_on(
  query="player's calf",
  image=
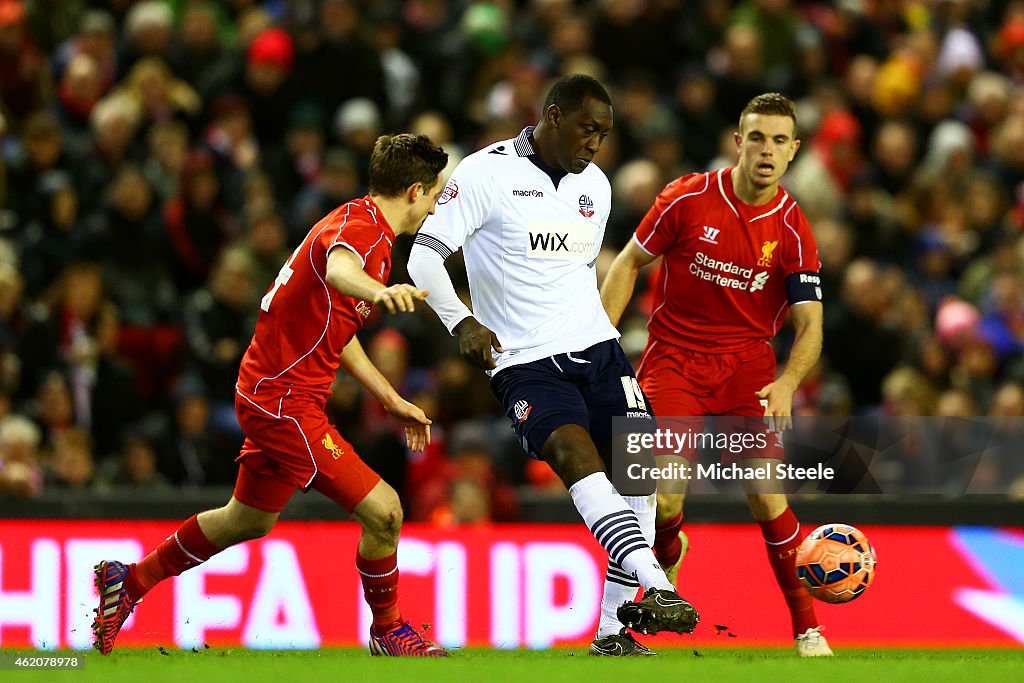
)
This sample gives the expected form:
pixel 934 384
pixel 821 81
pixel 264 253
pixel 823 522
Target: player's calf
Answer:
pixel 672 570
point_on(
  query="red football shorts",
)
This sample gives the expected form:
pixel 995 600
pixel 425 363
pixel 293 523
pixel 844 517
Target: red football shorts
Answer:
pixel 290 445
pixel 681 383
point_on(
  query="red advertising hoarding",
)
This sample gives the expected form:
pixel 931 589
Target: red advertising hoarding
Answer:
pixel 501 586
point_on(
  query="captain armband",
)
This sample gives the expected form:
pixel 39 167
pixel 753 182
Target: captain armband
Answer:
pixel 802 287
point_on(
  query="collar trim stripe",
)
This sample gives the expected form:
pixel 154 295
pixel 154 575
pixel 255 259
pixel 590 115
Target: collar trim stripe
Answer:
pixel 522 142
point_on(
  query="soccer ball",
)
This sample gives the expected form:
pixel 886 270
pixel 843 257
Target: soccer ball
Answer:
pixel 835 563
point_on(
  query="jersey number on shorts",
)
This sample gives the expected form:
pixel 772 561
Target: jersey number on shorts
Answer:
pixel 283 276
pixel 634 397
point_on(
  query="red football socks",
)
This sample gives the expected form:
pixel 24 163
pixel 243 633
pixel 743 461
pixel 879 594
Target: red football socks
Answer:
pixel 782 537
pixel 184 549
pixel 380 588
pixel 667 546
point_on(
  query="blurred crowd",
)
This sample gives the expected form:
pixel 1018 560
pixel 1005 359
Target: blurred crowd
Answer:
pixel 159 161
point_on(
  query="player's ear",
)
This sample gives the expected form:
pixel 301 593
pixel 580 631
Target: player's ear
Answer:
pixel 796 146
pixel 738 139
pixel 554 115
pixel 414 192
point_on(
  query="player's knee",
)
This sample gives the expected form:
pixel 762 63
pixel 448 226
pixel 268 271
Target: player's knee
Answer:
pixel 382 515
pixel 257 527
pixel 248 526
pixel 765 506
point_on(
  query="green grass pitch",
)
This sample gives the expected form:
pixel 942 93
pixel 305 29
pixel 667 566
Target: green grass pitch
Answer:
pixel 719 665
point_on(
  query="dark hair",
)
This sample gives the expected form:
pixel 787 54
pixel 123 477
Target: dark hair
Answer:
pixel 771 104
pixel 399 161
pixel 568 92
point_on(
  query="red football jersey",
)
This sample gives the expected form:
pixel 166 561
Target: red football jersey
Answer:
pixel 722 284
pixel 305 323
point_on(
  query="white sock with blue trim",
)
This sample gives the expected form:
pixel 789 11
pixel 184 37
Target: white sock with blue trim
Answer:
pixel 617 528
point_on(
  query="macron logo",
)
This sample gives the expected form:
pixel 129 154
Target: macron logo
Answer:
pixel 527 193
pixel 710 235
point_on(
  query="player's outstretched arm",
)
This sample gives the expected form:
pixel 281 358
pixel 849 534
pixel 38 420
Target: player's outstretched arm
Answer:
pixel 426 268
pixel 618 285
pixel 357 364
pixel 345 273
pixel 806 317
pixel 400 298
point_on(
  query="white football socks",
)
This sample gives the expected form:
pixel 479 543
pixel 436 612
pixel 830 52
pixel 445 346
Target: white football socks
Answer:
pixel 617 528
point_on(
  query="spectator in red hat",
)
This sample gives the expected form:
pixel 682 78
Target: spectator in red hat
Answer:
pixel 270 57
pixel 264 81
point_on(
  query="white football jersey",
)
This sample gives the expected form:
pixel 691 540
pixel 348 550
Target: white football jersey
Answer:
pixel 529 246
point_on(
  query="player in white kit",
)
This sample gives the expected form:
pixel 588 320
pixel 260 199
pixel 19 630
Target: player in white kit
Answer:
pixel 529 214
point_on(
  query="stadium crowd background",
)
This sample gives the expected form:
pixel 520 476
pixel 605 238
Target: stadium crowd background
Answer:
pixel 161 159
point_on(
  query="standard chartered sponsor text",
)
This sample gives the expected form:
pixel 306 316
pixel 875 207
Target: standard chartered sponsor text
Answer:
pixel 705 267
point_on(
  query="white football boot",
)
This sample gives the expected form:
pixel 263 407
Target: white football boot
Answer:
pixel 812 644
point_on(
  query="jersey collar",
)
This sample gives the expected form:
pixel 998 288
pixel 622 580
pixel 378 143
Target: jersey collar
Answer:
pixel 724 180
pixel 378 217
pixel 524 148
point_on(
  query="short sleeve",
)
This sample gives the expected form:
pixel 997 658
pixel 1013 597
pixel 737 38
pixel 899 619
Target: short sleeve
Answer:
pixel 358 235
pixel 660 228
pixel 800 250
pixel 463 207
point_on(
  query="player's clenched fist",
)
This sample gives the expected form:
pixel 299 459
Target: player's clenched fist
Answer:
pixel 400 298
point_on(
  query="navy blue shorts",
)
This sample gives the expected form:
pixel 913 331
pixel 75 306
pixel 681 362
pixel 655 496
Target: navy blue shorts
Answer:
pixel 587 388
